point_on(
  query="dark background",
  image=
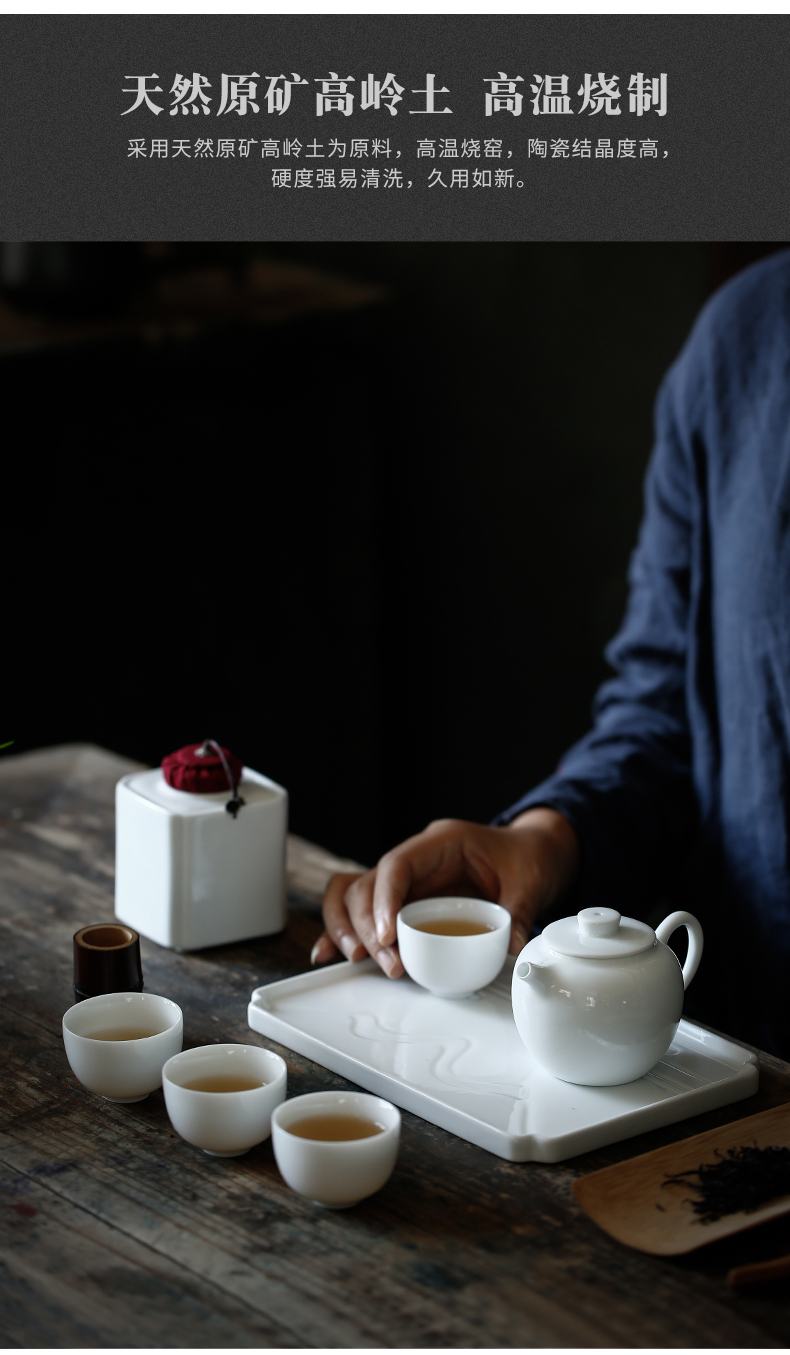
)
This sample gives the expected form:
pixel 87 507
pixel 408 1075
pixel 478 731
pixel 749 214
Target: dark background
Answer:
pixel 378 553
pixel 65 171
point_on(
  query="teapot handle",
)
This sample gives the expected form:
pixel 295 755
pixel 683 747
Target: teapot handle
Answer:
pixel 669 925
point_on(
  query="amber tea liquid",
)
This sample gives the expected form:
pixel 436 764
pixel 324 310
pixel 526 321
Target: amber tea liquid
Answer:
pixel 335 1128
pixel 451 926
pixel 223 1082
pixel 124 1033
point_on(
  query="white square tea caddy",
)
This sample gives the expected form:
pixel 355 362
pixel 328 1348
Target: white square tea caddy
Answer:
pixel 187 873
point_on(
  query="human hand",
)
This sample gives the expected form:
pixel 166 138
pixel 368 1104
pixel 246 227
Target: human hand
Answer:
pixel 524 867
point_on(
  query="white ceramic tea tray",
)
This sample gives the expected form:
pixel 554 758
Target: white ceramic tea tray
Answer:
pixel 461 1063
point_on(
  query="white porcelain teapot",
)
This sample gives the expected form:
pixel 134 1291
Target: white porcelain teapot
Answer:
pixel 597 998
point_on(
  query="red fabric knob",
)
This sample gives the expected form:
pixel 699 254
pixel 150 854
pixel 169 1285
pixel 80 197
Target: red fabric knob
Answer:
pixel 184 770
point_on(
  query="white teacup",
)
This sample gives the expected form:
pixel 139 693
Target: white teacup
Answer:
pixel 224 1123
pixel 453 966
pixel 122 1069
pixel 337 1174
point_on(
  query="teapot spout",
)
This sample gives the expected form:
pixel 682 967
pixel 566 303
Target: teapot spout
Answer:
pixel 535 975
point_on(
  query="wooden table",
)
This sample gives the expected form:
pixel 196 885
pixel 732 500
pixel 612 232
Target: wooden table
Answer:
pixel 116 1232
pixel 185 305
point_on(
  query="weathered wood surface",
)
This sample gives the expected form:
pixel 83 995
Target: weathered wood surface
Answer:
pixel 117 1233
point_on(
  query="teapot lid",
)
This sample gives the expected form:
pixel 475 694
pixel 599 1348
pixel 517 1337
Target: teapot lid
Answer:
pixel 598 934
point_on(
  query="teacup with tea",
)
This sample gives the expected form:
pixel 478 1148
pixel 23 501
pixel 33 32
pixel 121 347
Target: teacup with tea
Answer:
pixel 118 1043
pixel 453 946
pixel 336 1148
pixel 220 1097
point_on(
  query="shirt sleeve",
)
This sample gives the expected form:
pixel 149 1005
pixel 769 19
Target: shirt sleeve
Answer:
pixel 627 787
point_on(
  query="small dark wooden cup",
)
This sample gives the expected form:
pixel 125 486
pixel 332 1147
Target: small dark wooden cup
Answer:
pixel 107 960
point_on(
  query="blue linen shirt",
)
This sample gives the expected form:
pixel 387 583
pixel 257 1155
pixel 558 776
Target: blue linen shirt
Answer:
pixel 681 790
